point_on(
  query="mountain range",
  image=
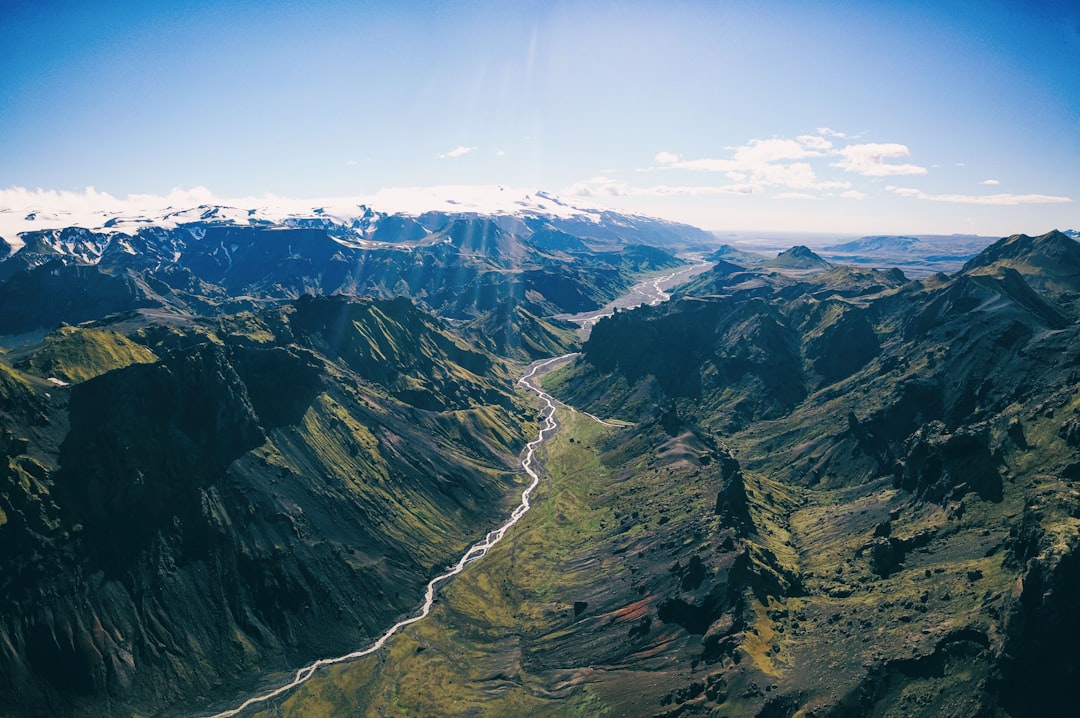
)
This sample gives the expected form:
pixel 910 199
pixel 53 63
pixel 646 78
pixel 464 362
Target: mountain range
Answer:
pixel 908 451
pixel 236 442
pixel 233 445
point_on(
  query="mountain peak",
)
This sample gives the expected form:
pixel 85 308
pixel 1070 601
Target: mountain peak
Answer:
pixel 876 243
pixel 1050 263
pixel 798 257
pixel 1054 252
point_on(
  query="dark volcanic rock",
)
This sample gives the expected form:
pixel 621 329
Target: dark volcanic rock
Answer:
pixel 214 515
pixel 46 296
pixel 939 466
pixel 842 344
pixel 146 439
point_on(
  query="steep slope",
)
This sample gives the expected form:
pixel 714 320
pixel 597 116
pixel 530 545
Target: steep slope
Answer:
pixel 929 464
pixel 1049 263
pixel 284 263
pixel 54 293
pixel 72 243
pixel 740 358
pixel 73 354
pixel 396 345
pixel 625 591
pixel 511 330
pixel 483 238
pixel 175 530
pixel 210 262
pixel 735 346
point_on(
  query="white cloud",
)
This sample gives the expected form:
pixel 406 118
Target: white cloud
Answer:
pixel 702 165
pixel 827 132
pixel 1000 200
pixel 795 195
pixel 458 151
pixel 24 210
pixel 815 142
pixel 990 182
pixel 904 191
pixel 869 160
pixel 798 175
pixel 763 163
pixel 772 150
pixel 853 194
pixel 598 187
pixel 1003 200
pixel 607 187
pixel 91 202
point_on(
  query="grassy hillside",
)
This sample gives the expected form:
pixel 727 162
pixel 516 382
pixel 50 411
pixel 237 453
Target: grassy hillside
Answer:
pixel 75 354
pixel 274 488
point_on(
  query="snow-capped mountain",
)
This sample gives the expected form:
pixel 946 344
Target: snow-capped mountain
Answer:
pixel 36 217
pixel 459 253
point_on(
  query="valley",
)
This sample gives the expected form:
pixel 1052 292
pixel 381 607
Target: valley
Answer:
pixel 539 360
pixel 475 552
pixel 652 291
pixel 221 466
pixel 652 583
pixel 243 463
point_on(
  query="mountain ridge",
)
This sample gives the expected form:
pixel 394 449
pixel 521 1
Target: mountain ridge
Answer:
pixel 357 218
pixel 283 492
pixel 814 487
pixel 915 467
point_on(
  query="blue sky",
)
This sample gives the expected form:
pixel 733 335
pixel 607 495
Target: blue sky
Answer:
pixel 839 117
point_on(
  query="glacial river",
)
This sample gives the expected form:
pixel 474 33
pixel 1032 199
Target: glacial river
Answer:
pixel 476 551
pixel 651 291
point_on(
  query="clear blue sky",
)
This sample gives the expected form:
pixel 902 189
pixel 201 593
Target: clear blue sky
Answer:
pixel 821 116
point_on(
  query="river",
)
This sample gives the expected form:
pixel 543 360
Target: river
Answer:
pixel 476 551
pixel 652 291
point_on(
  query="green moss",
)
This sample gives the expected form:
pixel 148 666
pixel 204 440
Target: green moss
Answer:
pixel 11 384
pixel 75 354
pixel 472 654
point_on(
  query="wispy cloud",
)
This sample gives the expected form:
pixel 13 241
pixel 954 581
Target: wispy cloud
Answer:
pixel 904 191
pixel 607 187
pixel 990 182
pixel 853 194
pixel 871 160
pixel 459 151
pixel 752 155
pixel 1001 200
pixel 815 142
pixel 796 195
pixel 774 162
